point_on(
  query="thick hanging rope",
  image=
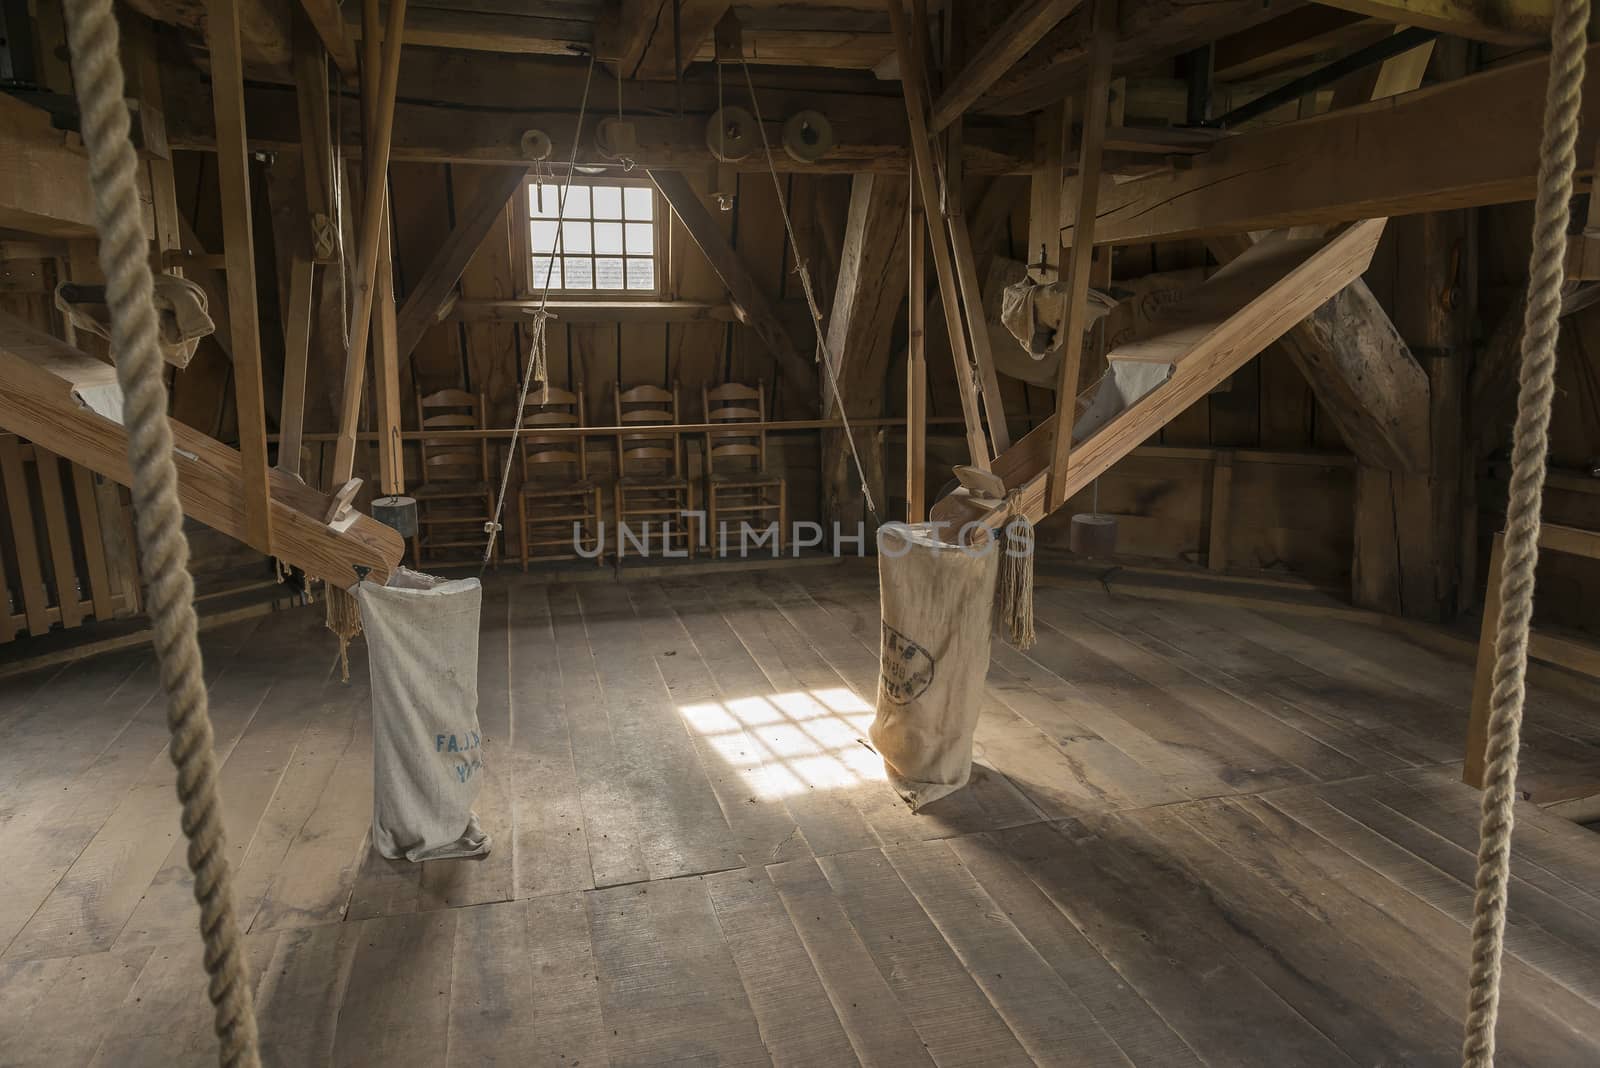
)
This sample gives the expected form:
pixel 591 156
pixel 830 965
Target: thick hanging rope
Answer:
pixel 163 549
pixel 536 369
pixel 811 296
pixel 1014 591
pixel 1529 448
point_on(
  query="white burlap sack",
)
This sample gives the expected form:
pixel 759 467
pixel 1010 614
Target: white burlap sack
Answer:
pixel 427 751
pixel 938 607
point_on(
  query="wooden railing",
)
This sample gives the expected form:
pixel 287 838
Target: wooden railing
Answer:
pixel 66 544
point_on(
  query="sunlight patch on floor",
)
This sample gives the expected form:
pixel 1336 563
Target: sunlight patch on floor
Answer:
pixel 788 743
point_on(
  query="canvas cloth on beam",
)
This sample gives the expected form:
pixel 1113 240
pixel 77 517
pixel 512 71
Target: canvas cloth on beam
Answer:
pixel 427 749
pixel 937 609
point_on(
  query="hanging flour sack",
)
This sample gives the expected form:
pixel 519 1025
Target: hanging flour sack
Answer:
pixel 937 603
pixel 427 751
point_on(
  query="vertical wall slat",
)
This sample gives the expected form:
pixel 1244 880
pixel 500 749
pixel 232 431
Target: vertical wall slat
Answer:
pixel 94 550
pixel 68 599
pixel 35 604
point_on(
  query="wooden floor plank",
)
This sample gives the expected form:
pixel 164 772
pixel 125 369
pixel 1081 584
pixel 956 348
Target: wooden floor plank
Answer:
pixel 1139 917
pixel 670 809
pixel 53 1012
pixel 798 1024
pixel 1540 1021
pixel 1038 1006
pixel 669 989
pixel 548 835
pixel 950 1011
pixel 1121 1011
pixel 827 819
pixel 299 992
pixel 1368 1012
pixel 396 1007
pixel 741 771
pixel 880 1031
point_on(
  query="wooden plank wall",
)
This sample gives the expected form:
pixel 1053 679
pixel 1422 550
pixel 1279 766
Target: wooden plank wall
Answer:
pixel 1568 586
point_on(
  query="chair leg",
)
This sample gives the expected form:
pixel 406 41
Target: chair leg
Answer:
pixel 783 517
pixel 522 527
pixel 716 549
pixel 617 516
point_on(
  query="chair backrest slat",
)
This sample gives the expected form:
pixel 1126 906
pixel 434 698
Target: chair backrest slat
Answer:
pixel 553 458
pixel 742 447
pixel 450 459
pixel 649 452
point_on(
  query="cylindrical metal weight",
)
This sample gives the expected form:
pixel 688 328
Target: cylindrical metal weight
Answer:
pixel 397 512
pixel 1092 534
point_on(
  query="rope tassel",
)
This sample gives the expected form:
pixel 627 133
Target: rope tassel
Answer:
pixel 1014 594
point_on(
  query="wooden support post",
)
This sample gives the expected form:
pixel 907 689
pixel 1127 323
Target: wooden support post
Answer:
pixel 372 225
pixel 917 366
pixel 914 82
pixel 860 338
pixel 296 356
pixel 386 374
pixel 1221 506
pixel 1049 181
pixel 1079 258
pixel 233 176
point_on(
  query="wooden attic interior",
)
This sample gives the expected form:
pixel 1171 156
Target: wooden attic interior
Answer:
pixel 1223 811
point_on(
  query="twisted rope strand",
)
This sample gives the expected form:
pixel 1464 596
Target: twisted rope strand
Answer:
pixel 163 549
pixel 1530 445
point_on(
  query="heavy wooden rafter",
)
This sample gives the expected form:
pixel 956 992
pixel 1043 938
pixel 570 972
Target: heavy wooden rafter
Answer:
pixel 39 380
pixel 1509 22
pixel 751 304
pixel 1218 327
pixel 1008 43
pixel 1468 144
pixel 432 289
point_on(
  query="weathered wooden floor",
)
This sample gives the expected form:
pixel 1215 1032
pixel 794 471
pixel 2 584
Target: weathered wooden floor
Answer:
pixel 1197 835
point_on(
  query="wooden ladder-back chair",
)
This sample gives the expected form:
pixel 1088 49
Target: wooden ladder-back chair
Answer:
pixel 455 495
pixel 739 488
pixel 559 504
pixel 651 485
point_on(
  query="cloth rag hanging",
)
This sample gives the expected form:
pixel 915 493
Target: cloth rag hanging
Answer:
pixel 182 311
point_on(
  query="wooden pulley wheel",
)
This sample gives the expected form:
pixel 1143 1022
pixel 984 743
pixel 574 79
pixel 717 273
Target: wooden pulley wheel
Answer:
pixel 536 146
pixel 731 134
pixel 807 136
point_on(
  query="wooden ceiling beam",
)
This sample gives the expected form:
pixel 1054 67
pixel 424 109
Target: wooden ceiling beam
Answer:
pixel 671 49
pixel 483 31
pixel 1509 22
pixel 1147 31
pixel 1468 143
pixel 264 33
pixel 1009 42
pixel 870 132
pixel 336 38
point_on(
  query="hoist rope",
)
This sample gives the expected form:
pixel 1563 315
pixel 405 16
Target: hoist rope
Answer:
pixel 536 350
pixel 811 297
pixel 1530 446
pixel 163 548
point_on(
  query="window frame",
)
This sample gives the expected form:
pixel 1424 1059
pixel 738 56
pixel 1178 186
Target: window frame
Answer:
pixel 661 256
